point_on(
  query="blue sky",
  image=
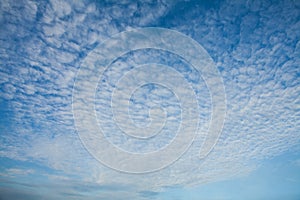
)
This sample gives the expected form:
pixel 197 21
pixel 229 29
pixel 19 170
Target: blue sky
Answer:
pixel 47 48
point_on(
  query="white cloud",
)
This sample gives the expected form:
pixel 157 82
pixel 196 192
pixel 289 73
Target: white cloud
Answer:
pixel 261 83
pixel 15 172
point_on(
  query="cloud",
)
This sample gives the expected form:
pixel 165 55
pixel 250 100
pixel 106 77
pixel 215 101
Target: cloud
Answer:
pixel 255 48
pixel 15 172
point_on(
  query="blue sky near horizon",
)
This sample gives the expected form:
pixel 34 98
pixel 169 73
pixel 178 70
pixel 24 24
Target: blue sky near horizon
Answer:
pixel 254 45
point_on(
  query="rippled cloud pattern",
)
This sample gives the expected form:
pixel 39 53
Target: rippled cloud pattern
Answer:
pixel 43 44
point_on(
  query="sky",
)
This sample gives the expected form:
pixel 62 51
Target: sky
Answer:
pixel 149 99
